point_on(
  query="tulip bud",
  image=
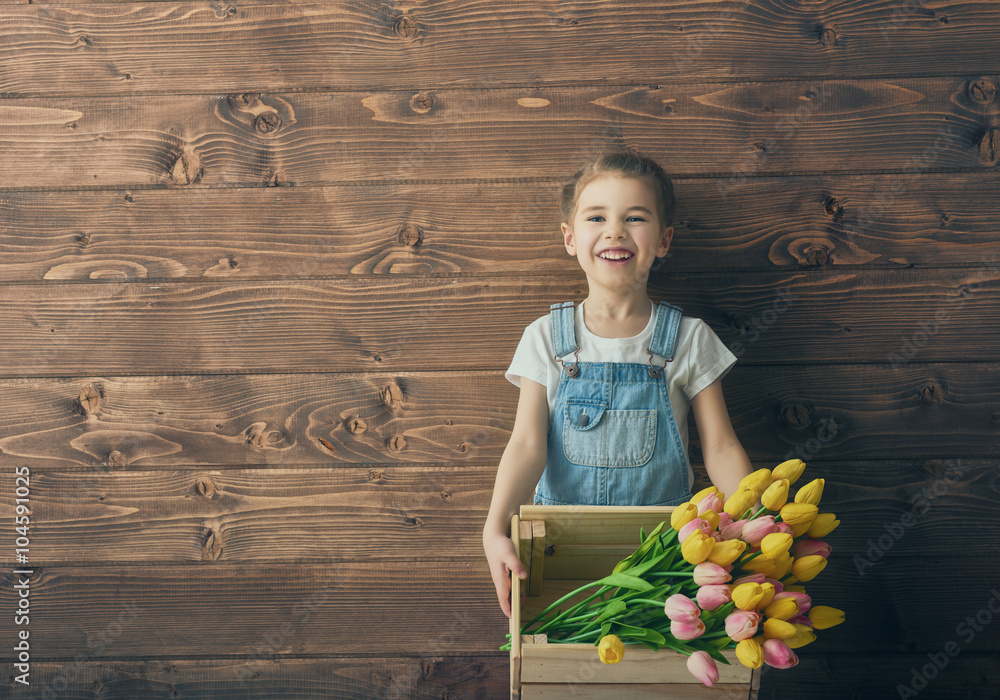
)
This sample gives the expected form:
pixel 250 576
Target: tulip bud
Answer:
pixel 805 548
pixel 741 502
pixel 776 543
pixel 680 608
pixel 750 596
pixel 708 573
pixel 798 513
pixel 697 498
pixel 802 601
pixel 712 501
pixel 726 552
pixel 752 578
pixel 696 525
pixel 733 530
pixel 778 585
pixel 808 568
pixel 824 617
pixel 778 629
pixel 803 635
pixel 610 649
pixel 696 548
pixel 791 470
pixel 778 655
pixel 781 608
pixel 775 495
pixel 712 596
pixel 742 624
pixel 702 666
pixel 750 653
pixel 823 525
pixel 683 514
pixel 756 481
pixel 811 492
pixel 712 518
pixel 687 630
pixel 755 530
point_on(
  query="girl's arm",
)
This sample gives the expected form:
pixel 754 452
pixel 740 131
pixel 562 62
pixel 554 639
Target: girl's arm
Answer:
pixel 520 469
pixel 725 459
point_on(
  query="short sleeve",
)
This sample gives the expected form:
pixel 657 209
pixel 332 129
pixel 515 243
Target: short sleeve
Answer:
pixel 710 359
pixel 531 358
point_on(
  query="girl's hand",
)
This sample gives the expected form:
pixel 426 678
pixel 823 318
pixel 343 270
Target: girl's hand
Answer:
pixel 502 560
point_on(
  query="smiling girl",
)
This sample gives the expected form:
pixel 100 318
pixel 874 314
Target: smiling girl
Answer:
pixel 605 386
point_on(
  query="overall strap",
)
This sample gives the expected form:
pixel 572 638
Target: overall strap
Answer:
pixel 668 323
pixel 564 328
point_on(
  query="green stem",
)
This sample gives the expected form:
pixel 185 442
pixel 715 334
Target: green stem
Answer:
pixel 559 602
pixel 564 616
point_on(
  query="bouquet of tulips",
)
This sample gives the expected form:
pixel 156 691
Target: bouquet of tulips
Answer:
pixel 723 574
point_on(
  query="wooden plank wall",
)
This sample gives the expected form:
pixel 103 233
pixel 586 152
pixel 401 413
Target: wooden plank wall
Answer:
pixel 263 266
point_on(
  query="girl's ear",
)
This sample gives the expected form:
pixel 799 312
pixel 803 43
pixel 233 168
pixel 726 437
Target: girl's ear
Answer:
pixel 664 246
pixel 568 239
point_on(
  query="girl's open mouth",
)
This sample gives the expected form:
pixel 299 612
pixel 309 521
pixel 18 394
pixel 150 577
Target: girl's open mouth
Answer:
pixel 618 256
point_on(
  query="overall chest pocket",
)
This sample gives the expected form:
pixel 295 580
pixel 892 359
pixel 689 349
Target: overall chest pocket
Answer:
pixel 596 436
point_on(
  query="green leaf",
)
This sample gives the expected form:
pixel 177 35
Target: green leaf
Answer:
pixel 622 580
pixel 642 535
pixel 615 607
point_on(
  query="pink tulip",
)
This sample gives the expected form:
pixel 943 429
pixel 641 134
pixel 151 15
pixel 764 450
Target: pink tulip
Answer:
pixel 783 527
pixel 712 596
pixel 687 630
pixel 709 574
pixel 680 608
pixel 778 655
pixel 757 529
pixel 733 530
pixel 702 666
pixel 742 624
pixel 801 620
pixel 696 525
pixel 807 548
pixel 724 519
pixel 778 585
pixel 804 601
pixel 711 502
pixel 752 578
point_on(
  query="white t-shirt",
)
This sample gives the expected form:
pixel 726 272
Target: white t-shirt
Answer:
pixel 699 359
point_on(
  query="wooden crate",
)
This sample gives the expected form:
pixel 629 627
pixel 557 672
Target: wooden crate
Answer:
pixel 564 547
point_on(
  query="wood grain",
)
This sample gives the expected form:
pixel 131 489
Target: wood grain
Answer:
pixel 429 608
pixel 731 130
pixel 120 48
pixel 764 223
pixel 399 324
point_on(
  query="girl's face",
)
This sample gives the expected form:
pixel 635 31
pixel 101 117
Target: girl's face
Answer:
pixel 616 233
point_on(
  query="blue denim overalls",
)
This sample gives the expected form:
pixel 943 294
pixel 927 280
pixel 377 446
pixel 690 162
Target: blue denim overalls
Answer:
pixel 613 438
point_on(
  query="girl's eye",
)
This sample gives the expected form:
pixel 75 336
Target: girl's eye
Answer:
pixel 595 217
pixel 635 218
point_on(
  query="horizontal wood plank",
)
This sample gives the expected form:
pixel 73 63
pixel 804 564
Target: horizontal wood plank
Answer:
pixel 733 130
pixel 119 49
pixel 397 324
pixel 431 608
pixel 921 219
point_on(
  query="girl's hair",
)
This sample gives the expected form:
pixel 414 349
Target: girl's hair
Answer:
pixel 621 164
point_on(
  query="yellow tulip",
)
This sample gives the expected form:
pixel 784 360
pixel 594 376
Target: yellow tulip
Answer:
pixel 794 589
pixel 725 553
pixel 776 543
pixel 775 495
pixel 798 514
pixel 811 492
pixel 778 629
pixel 782 565
pixel 782 609
pixel 760 565
pixel 683 514
pixel 739 502
pixel 696 499
pixel 791 470
pixel 710 517
pixel 610 649
pixel 756 481
pixel 750 596
pixel 803 635
pixel 823 525
pixel 750 653
pixel 824 617
pixel 696 548
pixel 808 568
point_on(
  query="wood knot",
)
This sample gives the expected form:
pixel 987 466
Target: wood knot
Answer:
pixel 205 488
pixel 327 444
pixel 245 99
pixel 91 398
pixel 827 36
pixel 934 467
pixel 795 415
pixel 982 91
pixel 410 235
pixel 267 123
pixel 827 430
pixel 817 256
pixel 463 447
pixel 989 147
pixel 376 475
pixel 421 103
pixel 212 547
pixel 185 170
pixel 739 322
pixel 412 522
pixel 397 443
pixel 834 208
pixel 115 459
pixel 254 434
pixel 931 394
pixel 392 396
pixel 356 426
pixel 404 27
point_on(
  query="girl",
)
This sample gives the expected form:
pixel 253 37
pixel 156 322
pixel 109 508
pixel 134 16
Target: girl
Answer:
pixel 605 387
